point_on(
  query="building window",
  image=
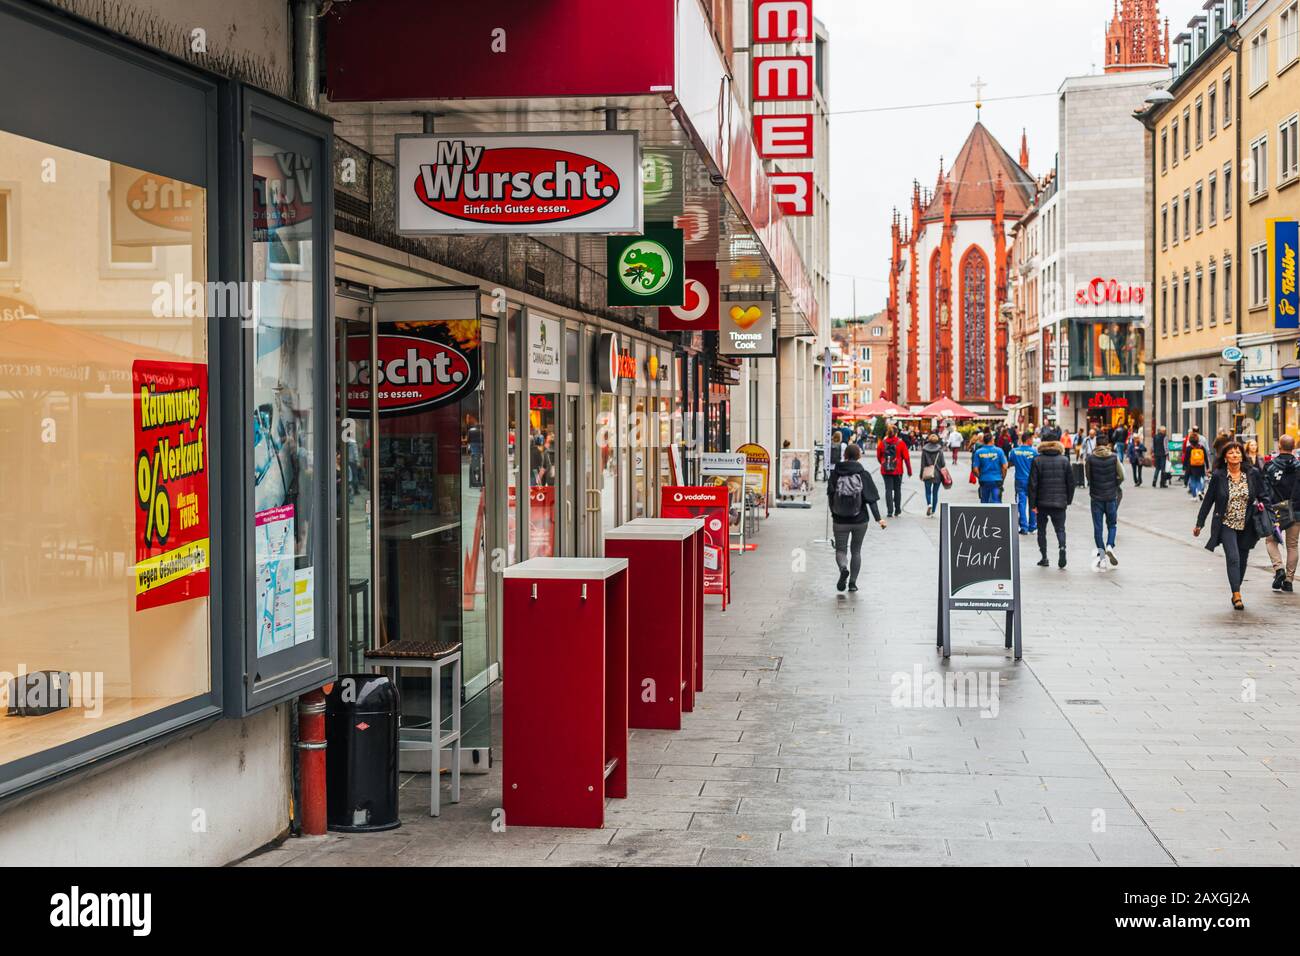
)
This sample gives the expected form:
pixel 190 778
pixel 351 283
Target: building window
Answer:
pixel 1175 220
pixel 974 323
pixel 1164 309
pixel 1200 122
pixel 1287 153
pixel 1227 99
pixel 1187 300
pixel 1164 227
pixel 1187 214
pixel 1258 60
pixel 1288 47
pixel 1213 289
pixel 1259 276
pixel 1227 288
pixel 1258 170
pixel 1164 150
pixel 1200 299
pixel 1227 190
pixel 1200 207
pixel 1213 204
pixel 1175 136
pixel 1175 308
pixel 1212 109
pixel 1187 131
pixel 866 375
pixel 877 331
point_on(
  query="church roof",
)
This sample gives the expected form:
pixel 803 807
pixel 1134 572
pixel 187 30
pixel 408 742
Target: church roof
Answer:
pixel 974 175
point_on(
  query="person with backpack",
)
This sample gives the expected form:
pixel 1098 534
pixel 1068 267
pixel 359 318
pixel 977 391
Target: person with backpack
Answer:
pixel 1050 493
pixel 1195 461
pixel 851 494
pixel 1022 460
pixel 1105 474
pixel 1284 495
pixel 894 457
pixel 933 469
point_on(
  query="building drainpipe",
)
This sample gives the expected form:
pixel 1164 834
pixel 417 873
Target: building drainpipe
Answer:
pixel 306 52
pixel 1235 45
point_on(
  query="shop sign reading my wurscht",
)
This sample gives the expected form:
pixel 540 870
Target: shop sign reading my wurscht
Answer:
pixel 518 182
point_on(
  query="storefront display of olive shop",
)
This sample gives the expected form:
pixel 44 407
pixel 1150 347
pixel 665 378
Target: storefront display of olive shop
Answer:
pixel 166 503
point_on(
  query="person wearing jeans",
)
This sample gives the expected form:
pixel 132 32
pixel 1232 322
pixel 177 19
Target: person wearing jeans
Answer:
pixel 1105 474
pixel 990 467
pixel 894 457
pixel 1235 494
pixel 932 465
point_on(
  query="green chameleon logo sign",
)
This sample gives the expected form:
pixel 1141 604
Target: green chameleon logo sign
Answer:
pixel 645 267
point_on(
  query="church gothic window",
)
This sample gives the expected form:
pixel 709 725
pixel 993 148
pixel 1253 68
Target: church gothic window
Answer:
pixel 974 324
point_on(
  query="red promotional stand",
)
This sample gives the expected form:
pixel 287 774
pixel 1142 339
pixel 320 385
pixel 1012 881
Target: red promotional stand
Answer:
pixel 564 734
pixel 661 620
pixel 695 589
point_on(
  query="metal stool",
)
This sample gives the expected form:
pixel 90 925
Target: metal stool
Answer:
pixel 435 656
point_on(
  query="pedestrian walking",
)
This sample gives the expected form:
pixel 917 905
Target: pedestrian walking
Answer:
pixel 1160 450
pixel 852 494
pixel 1195 464
pixel 1137 453
pixel 989 467
pixel 1050 431
pixel 1284 495
pixel 894 457
pixel 933 469
pixel 1253 459
pixel 1119 441
pixel 1105 476
pixel 1022 460
pixel 838 445
pixel 955 441
pixel 1236 496
pixel 1051 492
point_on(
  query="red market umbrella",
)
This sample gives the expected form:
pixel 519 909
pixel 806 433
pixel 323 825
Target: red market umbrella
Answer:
pixel 882 407
pixel 946 408
pixel 43 356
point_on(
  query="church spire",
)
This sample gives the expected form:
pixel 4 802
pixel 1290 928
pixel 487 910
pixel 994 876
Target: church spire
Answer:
pixel 1133 37
pixel 1024 149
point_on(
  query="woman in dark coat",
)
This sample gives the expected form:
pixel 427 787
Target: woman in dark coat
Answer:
pixel 1235 494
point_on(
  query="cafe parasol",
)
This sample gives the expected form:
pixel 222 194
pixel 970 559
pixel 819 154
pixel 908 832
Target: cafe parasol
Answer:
pixel 946 408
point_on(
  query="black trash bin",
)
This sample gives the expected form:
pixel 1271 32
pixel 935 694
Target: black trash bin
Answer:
pixel 361 733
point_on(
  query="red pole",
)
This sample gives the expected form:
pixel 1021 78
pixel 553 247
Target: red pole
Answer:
pixel 311 761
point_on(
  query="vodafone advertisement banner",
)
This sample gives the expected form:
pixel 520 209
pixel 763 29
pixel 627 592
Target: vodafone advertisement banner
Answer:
pixel 699 309
pixel 709 503
pixel 459 183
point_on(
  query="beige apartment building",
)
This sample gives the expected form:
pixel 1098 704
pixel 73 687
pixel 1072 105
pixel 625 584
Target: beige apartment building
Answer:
pixel 1195 205
pixel 1270 164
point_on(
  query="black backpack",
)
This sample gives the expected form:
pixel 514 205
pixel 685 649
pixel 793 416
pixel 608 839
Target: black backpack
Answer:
pixel 847 502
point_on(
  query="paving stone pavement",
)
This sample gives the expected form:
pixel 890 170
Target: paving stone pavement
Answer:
pixel 1148 724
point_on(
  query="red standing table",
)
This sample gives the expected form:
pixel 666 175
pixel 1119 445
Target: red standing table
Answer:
pixel 661 621
pixel 696 586
pixel 564 694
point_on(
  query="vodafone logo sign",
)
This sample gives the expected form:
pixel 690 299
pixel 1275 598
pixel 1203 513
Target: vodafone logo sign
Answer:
pixel 508 182
pixel 699 309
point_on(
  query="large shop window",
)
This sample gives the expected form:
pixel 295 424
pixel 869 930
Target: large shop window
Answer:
pixel 104 481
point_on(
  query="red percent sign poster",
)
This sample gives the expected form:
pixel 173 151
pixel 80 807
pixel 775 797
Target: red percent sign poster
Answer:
pixel 711 504
pixel 172 548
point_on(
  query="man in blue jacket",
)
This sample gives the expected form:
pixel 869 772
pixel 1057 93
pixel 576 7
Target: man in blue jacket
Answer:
pixel 1022 459
pixel 990 466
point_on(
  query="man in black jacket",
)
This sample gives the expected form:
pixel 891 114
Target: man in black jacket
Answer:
pixel 1160 449
pixel 1105 474
pixel 1051 492
pixel 851 494
pixel 1283 489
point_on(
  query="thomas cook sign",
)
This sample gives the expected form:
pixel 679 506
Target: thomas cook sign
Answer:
pixel 526 182
pixel 647 270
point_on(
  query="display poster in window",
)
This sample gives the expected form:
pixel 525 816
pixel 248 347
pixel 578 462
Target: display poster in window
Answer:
pixel 172 545
pixel 544 340
pixel 273 531
pixel 796 473
pixel 148 209
pixel 711 504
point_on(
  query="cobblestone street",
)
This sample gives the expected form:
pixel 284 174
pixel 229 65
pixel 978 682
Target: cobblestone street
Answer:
pixel 1148 723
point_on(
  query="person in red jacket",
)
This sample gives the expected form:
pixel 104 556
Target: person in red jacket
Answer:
pixel 893 457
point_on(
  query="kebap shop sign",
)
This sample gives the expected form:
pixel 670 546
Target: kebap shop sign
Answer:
pixel 457 184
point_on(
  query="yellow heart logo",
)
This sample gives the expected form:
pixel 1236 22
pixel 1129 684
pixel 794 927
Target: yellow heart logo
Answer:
pixel 745 317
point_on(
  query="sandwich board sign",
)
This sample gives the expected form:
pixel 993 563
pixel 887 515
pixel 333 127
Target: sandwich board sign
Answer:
pixel 979 567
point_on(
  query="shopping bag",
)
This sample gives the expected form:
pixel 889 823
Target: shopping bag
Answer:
pixel 946 477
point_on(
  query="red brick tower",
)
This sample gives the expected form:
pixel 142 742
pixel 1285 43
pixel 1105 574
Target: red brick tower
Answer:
pixel 1134 40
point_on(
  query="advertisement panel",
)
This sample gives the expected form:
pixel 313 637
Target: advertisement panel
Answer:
pixel 150 210
pixel 711 505
pixel 172 547
pixel 796 473
pixel 758 466
pixel 646 270
pixel 1283 239
pixel 747 329
pixel 544 340
pixel 538 183
pixel 699 309
pixel 421 365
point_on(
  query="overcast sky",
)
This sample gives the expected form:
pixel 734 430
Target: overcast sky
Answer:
pixel 912 53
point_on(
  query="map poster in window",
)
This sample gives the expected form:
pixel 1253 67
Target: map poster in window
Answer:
pixel 273 533
pixel 172 547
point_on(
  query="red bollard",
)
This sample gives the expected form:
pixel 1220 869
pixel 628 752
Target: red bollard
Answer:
pixel 311 761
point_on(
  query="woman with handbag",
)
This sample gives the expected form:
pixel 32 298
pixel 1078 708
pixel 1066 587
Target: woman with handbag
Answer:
pixel 934 469
pixel 1237 499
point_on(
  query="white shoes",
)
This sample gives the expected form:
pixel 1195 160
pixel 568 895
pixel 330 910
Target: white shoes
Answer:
pixel 1099 562
pixel 1110 553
